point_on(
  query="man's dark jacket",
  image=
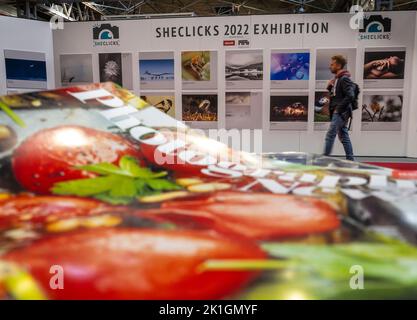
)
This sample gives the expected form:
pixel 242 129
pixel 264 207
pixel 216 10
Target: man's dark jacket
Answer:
pixel 341 103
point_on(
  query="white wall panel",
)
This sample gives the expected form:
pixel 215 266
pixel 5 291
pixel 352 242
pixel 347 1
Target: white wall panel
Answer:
pixel 26 35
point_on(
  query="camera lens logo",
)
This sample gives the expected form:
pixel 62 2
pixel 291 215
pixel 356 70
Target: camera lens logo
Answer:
pixel 106 35
pixel 105 32
pixel 376 24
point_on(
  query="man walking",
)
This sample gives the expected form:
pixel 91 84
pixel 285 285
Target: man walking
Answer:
pixel 342 96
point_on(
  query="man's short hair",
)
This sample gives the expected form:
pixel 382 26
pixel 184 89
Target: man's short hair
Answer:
pixel 340 60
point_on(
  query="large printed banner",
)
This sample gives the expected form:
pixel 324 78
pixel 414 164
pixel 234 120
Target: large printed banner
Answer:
pixel 103 196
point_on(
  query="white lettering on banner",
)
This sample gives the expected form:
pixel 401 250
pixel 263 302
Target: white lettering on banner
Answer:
pixel 305 191
pixel 140 131
pixel 196 158
pixel 83 96
pixel 276 187
pixel 170 147
pixel 378 182
pixel 289 176
pixel 249 186
pixel 127 123
pixel 354 181
pixel 211 166
pixel 354 194
pixel 117 112
pixel 308 177
pixel 257 173
pixel 232 165
pixel 329 182
pixel 217 172
pixel 329 190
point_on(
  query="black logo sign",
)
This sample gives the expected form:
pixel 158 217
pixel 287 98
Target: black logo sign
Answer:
pixel 105 32
pixel 376 24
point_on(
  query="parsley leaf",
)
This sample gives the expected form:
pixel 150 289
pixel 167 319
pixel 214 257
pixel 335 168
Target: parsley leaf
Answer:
pixel 84 187
pixel 117 184
pixel 162 184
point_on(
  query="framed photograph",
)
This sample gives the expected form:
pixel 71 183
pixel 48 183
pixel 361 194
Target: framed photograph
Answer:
pixel 199 70
pixel 288 112
pixel 384 68
pixel 323 61
pixel 243 110
pixel 244 69
pixel 76 69
pixel 382 111
pixel 165 102
pixel 290 69
pixel 200 110
pixel 116 67
pixel 25 69
pixel 321 110
pixel 156 70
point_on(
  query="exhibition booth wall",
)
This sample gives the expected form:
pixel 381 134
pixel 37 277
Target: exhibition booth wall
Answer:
pixel 26 50
pixel 247 72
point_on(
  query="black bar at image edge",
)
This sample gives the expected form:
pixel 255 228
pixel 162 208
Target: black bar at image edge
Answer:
pixel 233 309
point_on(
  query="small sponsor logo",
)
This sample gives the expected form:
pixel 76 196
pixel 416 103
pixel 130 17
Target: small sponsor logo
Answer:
pixel 243 43
pixel 229 43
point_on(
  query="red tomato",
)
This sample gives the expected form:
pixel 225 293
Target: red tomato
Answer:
pixel 36 209
pixel 263 215
pixel 50 155
pixel 137 264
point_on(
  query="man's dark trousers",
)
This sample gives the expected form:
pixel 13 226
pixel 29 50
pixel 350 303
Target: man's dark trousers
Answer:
pixel 338 126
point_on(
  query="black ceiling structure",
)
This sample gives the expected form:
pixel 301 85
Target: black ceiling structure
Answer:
pixel 76 10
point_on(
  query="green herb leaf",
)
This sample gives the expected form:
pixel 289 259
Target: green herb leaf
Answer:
pixel 119 184
pixel 113 200
pixel 131 167
pixel 162 184
pixel 388 262
pixel 7 110
pixel 142 188
pixel 124 187
pixel 305 271
pixel 84 187
pixel 102 168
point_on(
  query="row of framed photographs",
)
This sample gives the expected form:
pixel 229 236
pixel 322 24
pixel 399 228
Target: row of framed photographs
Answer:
pixel 380 111
pixel 244 69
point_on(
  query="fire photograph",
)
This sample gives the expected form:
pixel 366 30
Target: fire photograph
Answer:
pixel 199 107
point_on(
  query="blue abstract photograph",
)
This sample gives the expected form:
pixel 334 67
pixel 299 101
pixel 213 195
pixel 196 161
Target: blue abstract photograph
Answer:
pixel 290 66
pixel 156 69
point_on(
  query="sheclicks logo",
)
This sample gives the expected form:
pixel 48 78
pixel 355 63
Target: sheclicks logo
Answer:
pixel 106 35
pixel 375 27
